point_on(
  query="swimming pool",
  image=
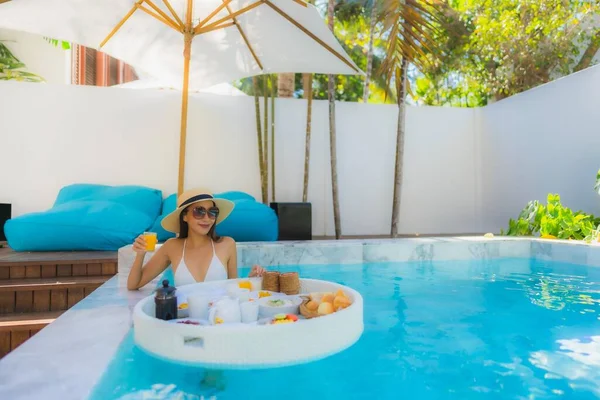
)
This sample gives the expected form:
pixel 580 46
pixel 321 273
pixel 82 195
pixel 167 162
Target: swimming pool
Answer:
pixel 463 329
pixel 459 318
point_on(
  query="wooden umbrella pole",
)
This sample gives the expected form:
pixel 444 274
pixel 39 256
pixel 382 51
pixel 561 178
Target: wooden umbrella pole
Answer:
pixel 184 109
pixel 188 36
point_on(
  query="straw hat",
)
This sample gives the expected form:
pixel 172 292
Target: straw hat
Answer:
pixel 171 221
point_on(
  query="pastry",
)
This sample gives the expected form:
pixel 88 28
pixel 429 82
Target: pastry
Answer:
pixel 325 308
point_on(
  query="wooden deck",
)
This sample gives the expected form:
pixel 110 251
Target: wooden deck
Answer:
pixel 36 287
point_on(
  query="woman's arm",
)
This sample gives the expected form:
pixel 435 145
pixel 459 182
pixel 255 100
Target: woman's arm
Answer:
pixel 140 276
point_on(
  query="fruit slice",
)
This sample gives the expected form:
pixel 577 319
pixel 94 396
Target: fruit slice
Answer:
pixel 245 285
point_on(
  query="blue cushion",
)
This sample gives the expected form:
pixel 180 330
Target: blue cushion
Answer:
pixel 234 196
pixel 168 206
pixel 87 217
pixel 250 221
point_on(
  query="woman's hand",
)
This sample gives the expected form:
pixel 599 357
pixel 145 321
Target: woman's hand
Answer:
pixel 256 271
pixel 139 245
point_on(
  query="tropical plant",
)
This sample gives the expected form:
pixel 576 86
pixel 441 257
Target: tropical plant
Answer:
pixel 410 27
pixel 552 220
pixel 11 68
pixel 498 48
pixel 56 43
pixel 369 71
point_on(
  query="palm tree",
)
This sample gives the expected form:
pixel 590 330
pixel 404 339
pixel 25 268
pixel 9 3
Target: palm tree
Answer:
pixel 410 26
pixel 332 137
pixel 286 85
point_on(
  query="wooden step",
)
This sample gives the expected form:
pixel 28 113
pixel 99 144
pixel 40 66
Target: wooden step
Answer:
pixel 30 321
pixel 17 328
pixel 52 283
pixel 43 295
pixel 57 269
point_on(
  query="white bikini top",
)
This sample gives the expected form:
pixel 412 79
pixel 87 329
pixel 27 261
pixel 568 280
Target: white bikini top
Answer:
pixel 216 270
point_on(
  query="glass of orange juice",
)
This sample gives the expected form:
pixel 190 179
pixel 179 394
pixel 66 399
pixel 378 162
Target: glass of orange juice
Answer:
pixel 151 240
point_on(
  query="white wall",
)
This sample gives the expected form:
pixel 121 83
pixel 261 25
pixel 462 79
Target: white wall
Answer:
pixel 55 135
pixel 545 140
pixel 40 57
pixel 466 170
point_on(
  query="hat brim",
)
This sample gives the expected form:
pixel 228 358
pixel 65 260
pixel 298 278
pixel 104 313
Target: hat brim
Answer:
pixel 171 221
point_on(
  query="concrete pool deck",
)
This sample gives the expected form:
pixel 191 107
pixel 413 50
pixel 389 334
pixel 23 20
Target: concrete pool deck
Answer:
pixel 66 359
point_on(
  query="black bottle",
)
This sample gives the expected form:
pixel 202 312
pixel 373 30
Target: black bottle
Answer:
pixel 166 302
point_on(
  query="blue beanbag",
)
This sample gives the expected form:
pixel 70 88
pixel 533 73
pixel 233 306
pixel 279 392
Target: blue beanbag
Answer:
pixel 250 221
pixel 87 217
pixel 168 206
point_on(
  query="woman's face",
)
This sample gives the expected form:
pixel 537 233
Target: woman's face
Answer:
pixel 201 216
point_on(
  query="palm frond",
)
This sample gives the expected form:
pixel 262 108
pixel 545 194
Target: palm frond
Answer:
pixel 410 27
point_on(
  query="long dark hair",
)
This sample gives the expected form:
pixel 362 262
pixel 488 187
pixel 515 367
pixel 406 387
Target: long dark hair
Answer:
pixel 184 228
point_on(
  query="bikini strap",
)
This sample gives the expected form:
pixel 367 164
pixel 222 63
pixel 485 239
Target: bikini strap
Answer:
pixel 213 246
pixel 183 252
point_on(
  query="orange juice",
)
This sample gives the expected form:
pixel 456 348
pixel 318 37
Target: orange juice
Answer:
pixel 245 285
pixel 151 240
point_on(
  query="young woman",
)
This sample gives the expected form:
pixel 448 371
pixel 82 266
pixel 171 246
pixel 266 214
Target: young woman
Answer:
pixel 197 254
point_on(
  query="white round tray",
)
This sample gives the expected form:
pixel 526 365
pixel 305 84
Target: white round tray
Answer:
pixel 242 346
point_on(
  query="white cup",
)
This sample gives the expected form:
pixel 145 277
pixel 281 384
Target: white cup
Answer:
pixel 249 310
pixel 198 304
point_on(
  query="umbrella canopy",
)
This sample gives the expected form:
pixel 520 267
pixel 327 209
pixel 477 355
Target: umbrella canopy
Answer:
pixel 242 38
pixel 195 43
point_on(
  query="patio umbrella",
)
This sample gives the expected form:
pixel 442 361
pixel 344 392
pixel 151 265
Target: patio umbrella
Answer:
pixel 193 44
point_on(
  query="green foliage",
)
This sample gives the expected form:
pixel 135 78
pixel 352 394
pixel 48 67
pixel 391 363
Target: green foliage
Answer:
pixel 11 68
pixel 498 48
pixel 352 31
pixel 597 185
pixel 56 43
pixel 552 220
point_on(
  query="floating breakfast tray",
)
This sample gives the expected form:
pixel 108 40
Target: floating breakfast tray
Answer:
pixel 243 346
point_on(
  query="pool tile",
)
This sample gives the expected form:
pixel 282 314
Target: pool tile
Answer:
pixel 563 251
pixel 383 252
pixel 594 255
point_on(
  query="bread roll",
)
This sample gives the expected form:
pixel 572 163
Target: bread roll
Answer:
pixel 325 308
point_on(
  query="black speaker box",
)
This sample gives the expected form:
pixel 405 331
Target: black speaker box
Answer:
pixel 295 220
pixel 5 215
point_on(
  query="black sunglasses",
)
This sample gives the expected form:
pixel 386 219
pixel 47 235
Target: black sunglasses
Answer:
pixel 200 212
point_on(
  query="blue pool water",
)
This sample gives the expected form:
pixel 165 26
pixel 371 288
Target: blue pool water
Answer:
pixel 501 329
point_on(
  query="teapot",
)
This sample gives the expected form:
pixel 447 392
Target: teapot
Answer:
pixel 165 302
pixel 226 310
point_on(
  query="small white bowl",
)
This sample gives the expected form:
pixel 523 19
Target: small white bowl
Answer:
pixel 266 308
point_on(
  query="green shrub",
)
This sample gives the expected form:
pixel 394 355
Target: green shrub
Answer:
pixel 553 220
